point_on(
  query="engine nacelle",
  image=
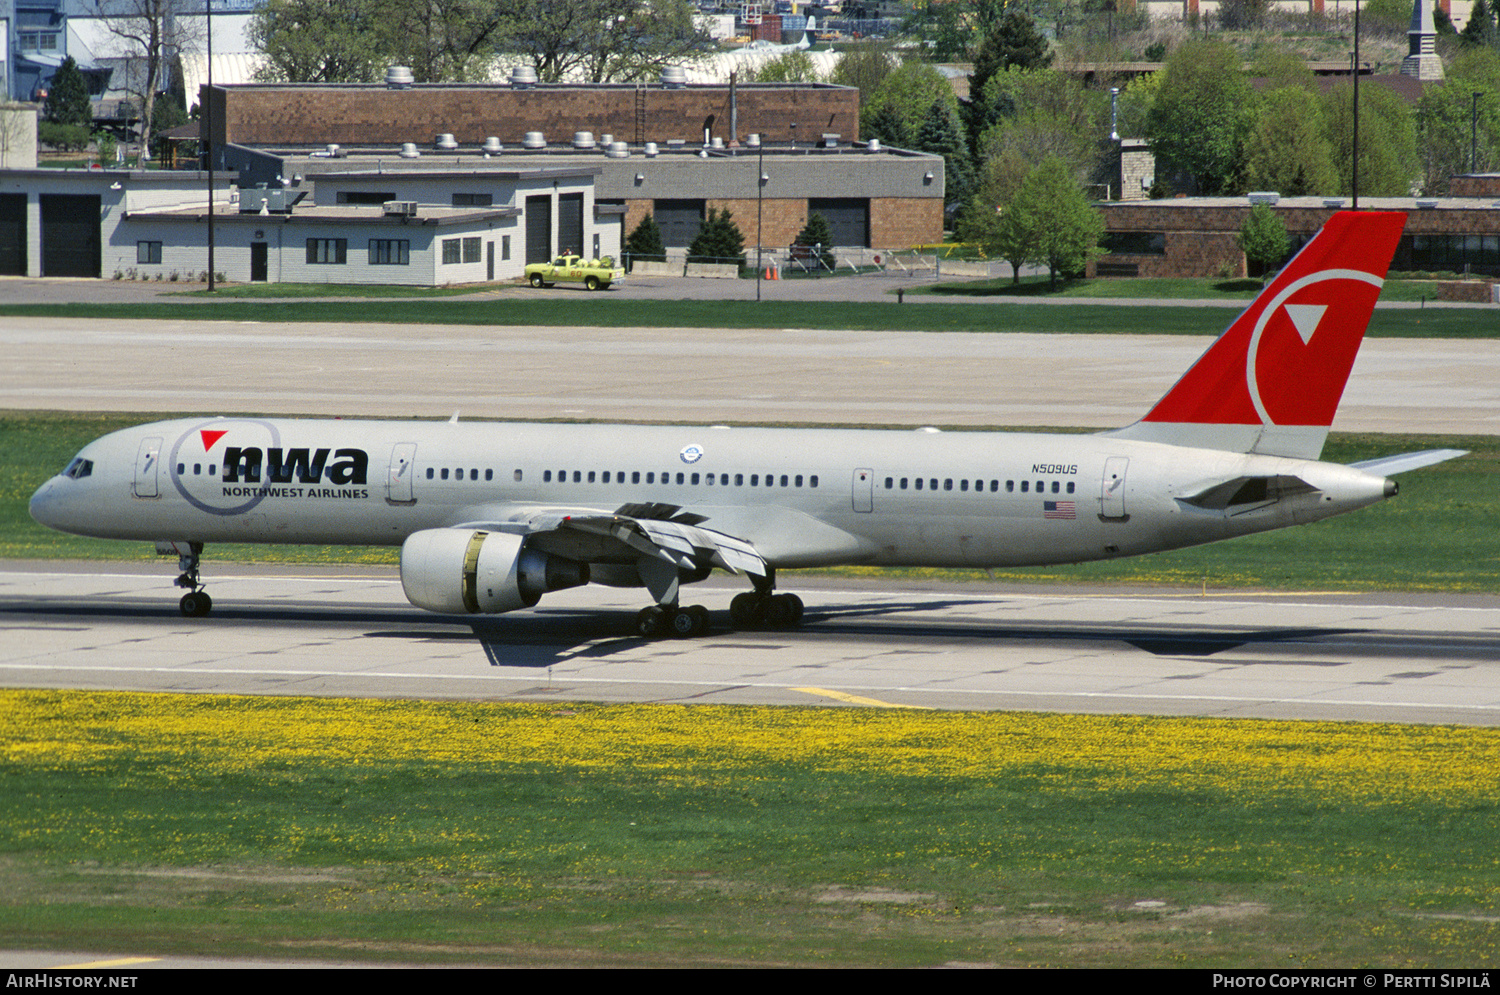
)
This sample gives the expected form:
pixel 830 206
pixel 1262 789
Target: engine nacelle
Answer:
pixel 456 571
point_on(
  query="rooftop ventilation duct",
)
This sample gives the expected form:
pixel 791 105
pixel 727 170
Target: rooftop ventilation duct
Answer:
pixel 753 141
pixel 399 78
pixel 1267 197
pixel 606 139
pixel 534 140
pixel 618 150
pixel 673 78
pixel 523 77
pixel 445 141
pixel 651 150
pixel 583 139
pixel 717 143
pixel 492 145
pixel 873 145
pixel 409 150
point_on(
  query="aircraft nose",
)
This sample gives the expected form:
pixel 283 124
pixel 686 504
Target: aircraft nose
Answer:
pixel 41 502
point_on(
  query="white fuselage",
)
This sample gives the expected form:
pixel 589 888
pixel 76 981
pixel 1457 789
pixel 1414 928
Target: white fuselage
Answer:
pixel 803 497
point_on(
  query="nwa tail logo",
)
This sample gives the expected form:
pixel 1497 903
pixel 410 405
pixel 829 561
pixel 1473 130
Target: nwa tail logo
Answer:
pixel 230 467
pixel 1285 360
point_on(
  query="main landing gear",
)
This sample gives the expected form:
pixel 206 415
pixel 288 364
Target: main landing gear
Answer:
pixel 196 603
pixel 755 609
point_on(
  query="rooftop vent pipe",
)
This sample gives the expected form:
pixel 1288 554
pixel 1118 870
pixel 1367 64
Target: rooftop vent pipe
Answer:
pixel 523 77
pixel 583 139
pixel 399 78
pixel 534 140
pixel 492 145
pixel 673 78
pixel 446 141
pixel 409 150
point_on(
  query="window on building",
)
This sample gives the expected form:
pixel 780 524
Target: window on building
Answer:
pixel 473 200
pixel 390 252
pixel 329 251
pixel 504 246
pixel 364 196
pixel 148 252
pixel 452 251
pixel 472 250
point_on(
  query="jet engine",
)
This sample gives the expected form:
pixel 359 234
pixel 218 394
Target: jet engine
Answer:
pixel 458 571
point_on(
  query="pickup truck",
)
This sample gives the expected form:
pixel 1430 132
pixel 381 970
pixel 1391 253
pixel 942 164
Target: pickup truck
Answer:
pixel 592 273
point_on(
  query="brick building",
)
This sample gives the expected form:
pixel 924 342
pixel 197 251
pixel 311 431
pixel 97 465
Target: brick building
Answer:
pixel 673 151
pixel 1195 236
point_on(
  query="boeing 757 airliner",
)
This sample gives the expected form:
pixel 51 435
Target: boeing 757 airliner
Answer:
pixel 491 516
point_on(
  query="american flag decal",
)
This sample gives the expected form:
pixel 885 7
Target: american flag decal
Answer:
pixel 1059 509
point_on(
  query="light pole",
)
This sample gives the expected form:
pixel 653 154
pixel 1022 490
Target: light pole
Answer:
pixel 1354 173
pixel 1474 133
pixel 206 109
pixel 760 191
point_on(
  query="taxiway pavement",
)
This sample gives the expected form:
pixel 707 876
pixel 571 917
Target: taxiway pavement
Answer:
pixel 349 631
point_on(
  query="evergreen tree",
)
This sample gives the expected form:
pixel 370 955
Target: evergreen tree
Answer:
pixel 68 96
pixel 940 135
pixel 1012 41
pixel 887 125
pixel 1480 30
pixel 1263 239
pixel 718 241
pixel 817 233
pixel 645 242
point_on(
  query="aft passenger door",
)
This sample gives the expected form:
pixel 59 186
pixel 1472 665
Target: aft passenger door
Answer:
pixel 1112 489
pixel 864 490
pixel 399 482
pixel 147 468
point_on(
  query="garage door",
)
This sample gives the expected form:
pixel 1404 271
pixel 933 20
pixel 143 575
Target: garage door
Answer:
pixel 848 218
pixel 70 235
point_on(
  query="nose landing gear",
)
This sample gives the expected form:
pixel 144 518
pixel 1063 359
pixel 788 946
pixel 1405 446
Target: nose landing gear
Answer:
pixel 196 603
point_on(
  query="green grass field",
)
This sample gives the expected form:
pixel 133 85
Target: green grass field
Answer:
pixel 1146 288
pixel 643 835
pixel 601 309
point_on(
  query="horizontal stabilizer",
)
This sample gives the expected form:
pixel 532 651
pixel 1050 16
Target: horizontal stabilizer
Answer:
pixel 1387 465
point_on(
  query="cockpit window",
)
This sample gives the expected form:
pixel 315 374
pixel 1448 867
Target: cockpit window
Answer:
pixel 79 468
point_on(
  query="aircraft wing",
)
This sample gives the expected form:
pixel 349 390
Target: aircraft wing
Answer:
pixel 1387 465
pixel 658 531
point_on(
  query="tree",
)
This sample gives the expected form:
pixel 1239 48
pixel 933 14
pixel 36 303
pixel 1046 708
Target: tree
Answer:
pixel 318 41
pixel 1013 42
pixel 718 241
pixel 1201 115
pixel 1042 112
pixel 1452 126
pixel 1481 28
pixel 599 41
pixel 906 95
pixel 817 234
pixel 1288 149
pixel 1388 161
pixel 68 96
pixel 1050 207
pixel 940 135
pixel 1263 239
pixel 645 242
pixel 863 66
pixel 152 35
pixel 441 41
pixel 789 67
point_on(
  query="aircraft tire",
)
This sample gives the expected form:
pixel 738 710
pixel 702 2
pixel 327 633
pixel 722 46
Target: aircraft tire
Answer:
pixel 689 622
pixel 783 611
pixel 536 280
pixel 196 604
pixel 651 622
pixel 747 610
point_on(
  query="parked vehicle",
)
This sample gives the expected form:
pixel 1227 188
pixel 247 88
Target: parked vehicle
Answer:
pixel 592 273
